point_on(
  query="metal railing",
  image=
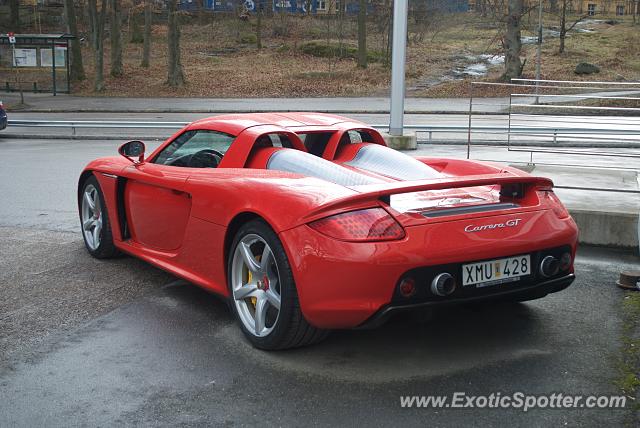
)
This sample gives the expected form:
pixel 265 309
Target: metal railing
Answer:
pixel 544 116
pixel 554 132
pixel 558 123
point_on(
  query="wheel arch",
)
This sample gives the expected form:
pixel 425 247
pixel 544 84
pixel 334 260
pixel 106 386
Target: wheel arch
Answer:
pixel 83 177
pixel 232 229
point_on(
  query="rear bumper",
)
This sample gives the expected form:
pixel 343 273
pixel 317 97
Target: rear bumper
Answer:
pixel 345 284
pixel 537 290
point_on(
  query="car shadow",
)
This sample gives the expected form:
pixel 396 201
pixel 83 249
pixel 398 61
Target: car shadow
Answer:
pixel 453 339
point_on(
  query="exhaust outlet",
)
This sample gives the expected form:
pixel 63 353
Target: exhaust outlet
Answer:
pixel 549 266
pixel 443 284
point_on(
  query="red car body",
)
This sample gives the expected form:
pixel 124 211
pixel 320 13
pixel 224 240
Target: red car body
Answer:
pixel 183 219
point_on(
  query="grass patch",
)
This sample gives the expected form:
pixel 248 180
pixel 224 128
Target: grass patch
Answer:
pixel 248 39
pixel 315 75
pixel 335 50
pixel 628 379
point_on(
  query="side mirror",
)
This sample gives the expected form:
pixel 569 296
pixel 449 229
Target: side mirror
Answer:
pixel 133 149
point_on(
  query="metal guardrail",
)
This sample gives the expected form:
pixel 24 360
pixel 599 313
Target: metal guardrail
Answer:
pixel 95 124
pixel 535 130
pixel 98 124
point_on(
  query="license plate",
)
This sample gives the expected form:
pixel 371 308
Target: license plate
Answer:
pixel 494 272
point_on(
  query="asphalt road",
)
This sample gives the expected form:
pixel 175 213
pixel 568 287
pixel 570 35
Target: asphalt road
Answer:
pixel 104 343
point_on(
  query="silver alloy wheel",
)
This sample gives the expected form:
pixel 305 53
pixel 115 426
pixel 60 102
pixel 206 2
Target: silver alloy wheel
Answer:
pixel 91 217
pixel 255 284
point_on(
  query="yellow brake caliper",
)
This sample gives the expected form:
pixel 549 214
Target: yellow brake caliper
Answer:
pixel 253 299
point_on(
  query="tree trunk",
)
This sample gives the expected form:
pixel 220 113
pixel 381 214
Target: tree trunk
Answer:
pixel 99 53
pixel 553 5
pixel 563 26
pixel 14 15
pixel 175 76
pixel 362 33
pixel 93 22
pixel 77 69
pixel 512 41
pixel 146 49
pixel 116 40
pixel 258 4
pixel 135 31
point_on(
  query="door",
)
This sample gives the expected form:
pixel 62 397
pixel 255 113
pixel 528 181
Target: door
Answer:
pixel 158 208
pixel 158 204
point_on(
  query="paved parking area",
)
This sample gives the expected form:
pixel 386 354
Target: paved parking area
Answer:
pixel 98 343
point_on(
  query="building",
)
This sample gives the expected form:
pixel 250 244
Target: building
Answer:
pixel 585 7
pixel 316 7
pixel 607 7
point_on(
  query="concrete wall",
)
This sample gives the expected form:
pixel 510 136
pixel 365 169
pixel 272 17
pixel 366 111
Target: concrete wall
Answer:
pixel 607 228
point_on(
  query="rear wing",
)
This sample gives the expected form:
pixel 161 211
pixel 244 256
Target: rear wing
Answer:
pixel 510 186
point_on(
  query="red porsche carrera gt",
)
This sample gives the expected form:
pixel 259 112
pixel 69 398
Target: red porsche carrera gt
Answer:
pixel 307 222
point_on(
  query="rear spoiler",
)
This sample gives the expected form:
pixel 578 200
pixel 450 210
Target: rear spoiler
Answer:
pixel 510 185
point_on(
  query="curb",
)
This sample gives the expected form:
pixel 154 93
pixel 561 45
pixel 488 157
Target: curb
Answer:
pixel 607 229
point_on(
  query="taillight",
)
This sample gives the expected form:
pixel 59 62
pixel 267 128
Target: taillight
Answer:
pixel 553 200
pixel 372 224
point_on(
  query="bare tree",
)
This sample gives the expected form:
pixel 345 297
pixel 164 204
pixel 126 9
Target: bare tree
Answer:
pixel 564 28
pixel 428 18
pixel 340 15
pixel 14 15
pixel 175 76
pixel 382 22
pixel 512 42
pixel 362 33
pixel 258 6
pixel 146 48
pixel 135 31
pixel 116 40
pixel 76 71
pixel 98 84
pixel 92 8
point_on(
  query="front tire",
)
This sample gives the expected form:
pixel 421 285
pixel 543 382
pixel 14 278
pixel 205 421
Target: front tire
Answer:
pixel 263 292
pixel 94 221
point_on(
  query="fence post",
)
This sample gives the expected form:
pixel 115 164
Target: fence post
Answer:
pixel 470 114
pixel 509 125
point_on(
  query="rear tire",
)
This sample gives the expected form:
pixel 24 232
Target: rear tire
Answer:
pixel 94 220
pixel 263 293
